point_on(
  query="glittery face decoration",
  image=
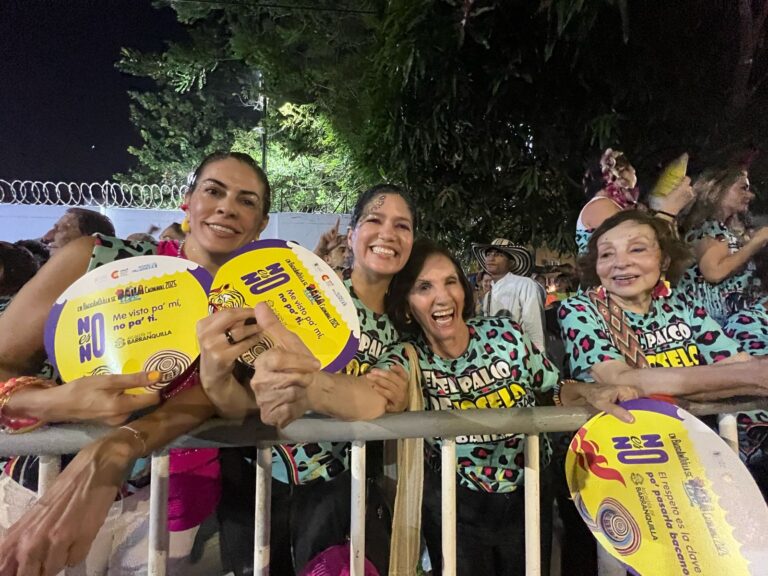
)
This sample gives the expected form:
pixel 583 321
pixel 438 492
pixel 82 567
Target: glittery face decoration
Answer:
pixel 375 205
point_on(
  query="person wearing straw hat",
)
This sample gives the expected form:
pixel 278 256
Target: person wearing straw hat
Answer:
pixel 513 293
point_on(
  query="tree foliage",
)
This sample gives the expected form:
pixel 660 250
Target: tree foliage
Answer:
pixel 310 168
pixel 488 110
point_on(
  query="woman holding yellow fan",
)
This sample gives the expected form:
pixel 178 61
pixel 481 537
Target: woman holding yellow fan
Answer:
pixel 611 186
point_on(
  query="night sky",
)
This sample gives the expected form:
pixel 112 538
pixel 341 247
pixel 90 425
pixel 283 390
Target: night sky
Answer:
pixel 63 104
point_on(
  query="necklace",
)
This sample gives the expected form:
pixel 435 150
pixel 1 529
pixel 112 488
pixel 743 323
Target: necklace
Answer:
pixel 180 251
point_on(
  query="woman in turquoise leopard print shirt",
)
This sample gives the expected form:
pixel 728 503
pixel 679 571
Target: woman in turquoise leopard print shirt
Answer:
pixel 474 363
pixel 723 276
pixel 627 260
pixel 311 481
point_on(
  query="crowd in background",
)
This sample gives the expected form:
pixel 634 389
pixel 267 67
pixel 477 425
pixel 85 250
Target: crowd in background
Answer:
pixel 675 279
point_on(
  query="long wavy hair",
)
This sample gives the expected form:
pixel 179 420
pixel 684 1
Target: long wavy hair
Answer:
pixel 709 190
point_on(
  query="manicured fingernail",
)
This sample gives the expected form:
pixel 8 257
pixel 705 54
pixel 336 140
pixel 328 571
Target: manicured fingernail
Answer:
pixel 153 376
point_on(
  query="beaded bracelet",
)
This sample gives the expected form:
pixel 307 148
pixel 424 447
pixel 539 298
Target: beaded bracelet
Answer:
pixel 556 393
pixel 558 388
pixel 12 425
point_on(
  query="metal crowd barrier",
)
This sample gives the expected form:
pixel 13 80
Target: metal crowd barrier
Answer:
pixel 448 424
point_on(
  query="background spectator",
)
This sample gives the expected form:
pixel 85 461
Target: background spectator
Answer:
pixel 75 223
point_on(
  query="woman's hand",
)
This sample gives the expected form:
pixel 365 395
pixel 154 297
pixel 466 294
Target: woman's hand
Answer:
pixel 761 236
pixel 329 240
pixel 100 398
pixel 218 356
pixel 281 385
pixel 392 384
pixel 678 199
pixel 604 397
pixel 60 527
pixel 283 373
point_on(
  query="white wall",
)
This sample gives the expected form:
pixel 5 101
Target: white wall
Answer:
pixel 23 221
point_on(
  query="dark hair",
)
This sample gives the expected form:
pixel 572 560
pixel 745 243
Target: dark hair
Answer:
pixel 671 246
pixel 141 237
pixel 245 159
pixel 366 197
pixel 18 266
pixel 38 249
pixel 91 222
pixel 396 302
pixel 176 227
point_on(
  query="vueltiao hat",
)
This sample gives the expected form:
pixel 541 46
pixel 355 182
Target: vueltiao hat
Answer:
pixel 521 259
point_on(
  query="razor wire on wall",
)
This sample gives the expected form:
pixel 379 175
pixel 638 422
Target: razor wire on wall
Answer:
pixel 106 194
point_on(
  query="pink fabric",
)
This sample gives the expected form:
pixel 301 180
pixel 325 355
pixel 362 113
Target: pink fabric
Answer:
pixel 624 197
pixel 168 248
pixel 194 486
pixel 334 561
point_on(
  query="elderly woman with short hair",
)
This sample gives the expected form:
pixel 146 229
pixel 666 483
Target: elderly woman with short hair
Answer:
pixel 632 318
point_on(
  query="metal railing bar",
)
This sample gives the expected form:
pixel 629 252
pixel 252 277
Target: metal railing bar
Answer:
pixel 531 493
pixel 158 515
pixel 726 424
pixel 357 515
pixel 448 504
pixel 262 512
pixel 69 438
pixel 50 466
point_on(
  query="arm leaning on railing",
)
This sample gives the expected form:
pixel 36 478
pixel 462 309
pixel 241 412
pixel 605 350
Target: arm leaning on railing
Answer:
pixel 219 433
pixel 448 423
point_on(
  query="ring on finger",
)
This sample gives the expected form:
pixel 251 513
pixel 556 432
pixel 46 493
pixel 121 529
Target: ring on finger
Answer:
pixel 230 338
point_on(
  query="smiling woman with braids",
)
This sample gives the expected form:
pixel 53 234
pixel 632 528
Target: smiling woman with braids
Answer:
pixel 226 207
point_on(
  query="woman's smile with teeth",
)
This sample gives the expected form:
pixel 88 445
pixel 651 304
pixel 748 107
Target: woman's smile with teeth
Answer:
pixel 443 316
pixel 220 228
pixel 382 250
pixel 625 277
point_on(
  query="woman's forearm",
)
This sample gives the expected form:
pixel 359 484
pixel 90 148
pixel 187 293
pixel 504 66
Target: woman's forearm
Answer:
pixel 716 270
pixel 179 415
pixel 720 380
pixel 345 397
pixel 729 393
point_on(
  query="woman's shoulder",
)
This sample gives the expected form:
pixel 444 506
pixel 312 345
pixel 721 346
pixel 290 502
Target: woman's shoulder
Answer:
pixel 492 328
pixel 578 302
pixel 107 249
pixel 708 228
pixel 597 210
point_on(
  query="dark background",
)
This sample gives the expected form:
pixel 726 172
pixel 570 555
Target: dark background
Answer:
pixel 63 104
